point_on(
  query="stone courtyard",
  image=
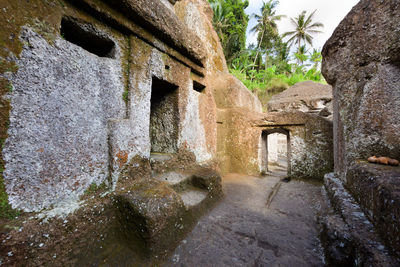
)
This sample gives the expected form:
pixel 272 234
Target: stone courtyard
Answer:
pixel 125 141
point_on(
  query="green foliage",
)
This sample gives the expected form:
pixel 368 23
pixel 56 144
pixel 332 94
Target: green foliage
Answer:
pixel 230 23
pixel 94 188
pixel 6 212
pixel 10 87
pixel 125 96
pixel 265 67
pixel 304 27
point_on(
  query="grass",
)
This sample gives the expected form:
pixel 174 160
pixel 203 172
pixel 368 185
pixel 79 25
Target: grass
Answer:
pixel 94 188
pixel 267 83
pixel 6 211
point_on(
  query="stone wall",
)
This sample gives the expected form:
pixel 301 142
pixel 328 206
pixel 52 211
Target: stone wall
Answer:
pixel 361 62
pixel 310 142
pixel 78 82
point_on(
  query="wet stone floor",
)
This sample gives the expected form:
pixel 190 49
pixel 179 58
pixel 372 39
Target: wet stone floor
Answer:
pixel 260 222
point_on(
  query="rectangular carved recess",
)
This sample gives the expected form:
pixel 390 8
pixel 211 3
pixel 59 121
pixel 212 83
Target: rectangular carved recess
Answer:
pixel 164 116
pixel 198 86
pixel 87 36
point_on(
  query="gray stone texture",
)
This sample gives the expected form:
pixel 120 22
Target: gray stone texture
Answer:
pixel 377 189
pixel 62 100
pixel 308 96
pixel 349 236
pixel 361 62
pixel 243 231
pixel 155 17
pixel 70 125
pixel 310 141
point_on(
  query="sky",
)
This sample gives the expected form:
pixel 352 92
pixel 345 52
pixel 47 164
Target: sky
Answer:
pixel 329 12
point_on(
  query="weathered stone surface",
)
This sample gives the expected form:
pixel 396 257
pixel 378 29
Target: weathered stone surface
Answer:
pixel 229 92
pixel 152 212
pixel 361 245
pixel 361 61
pixel 242 231
pixel 310 141
pixel 241 134
pixel 238 141
pixel 105 131
pixel 377 189
pixel 308 96
pixel 83 115
pixel 158 19
pixel 62 98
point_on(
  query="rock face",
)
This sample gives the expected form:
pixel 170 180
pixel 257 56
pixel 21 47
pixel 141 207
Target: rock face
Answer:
pixel 87 97
pixel 121 95
pixel 308 96
pixel 361 62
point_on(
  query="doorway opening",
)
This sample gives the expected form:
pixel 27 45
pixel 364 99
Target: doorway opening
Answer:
pixel 276 151
pixel 164 117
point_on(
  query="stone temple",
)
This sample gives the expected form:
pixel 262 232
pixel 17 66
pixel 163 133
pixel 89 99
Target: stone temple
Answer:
pixel 119 118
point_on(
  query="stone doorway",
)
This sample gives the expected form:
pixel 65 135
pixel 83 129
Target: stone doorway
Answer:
pixel 164 117
pixel 276 151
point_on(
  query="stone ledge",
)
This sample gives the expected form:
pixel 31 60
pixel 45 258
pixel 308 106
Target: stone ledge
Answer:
pixel 377 189
pixel 356 232
pixel 157 19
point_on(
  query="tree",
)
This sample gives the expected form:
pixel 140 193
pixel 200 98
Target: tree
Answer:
pixel 316 58
pixel 304 28
pixel 230 22
pixel 301 54
pixel 266 27
pixel 220 20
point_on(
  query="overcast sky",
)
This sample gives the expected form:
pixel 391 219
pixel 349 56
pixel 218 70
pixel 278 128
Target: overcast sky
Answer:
pixel 329 12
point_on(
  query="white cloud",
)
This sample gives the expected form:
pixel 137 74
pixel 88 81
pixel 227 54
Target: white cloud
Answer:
pixel 329 12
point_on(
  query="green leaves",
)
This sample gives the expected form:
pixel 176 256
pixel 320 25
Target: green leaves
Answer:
pixel 304 28
pixel 230 23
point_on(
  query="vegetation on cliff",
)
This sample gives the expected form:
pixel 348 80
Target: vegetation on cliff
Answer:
pixel 271 65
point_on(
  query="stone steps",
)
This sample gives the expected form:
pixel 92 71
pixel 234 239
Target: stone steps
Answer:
pixel 160 157
pixel 193 197
pixel 192 189
pixel 178 181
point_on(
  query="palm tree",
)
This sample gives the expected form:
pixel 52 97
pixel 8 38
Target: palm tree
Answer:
pixel 316 58
pixel 266 26
pixel 304 28
pixel 301 54
pixel 220 21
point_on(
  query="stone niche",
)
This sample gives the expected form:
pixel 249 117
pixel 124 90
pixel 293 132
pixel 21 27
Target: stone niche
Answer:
pixel 164 117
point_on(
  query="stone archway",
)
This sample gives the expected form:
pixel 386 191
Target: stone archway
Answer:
pixel 266 148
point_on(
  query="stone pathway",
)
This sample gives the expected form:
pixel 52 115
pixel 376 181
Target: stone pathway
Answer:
pixel 260 222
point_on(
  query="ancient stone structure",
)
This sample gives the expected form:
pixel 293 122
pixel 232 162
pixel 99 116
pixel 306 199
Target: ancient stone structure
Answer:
pixel 301 117
pixel 94 88
pixel 361 62
pixel 119 116
pixel 114 97
pixel 308 96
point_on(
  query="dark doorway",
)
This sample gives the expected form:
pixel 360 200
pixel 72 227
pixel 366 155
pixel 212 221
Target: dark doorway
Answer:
pixel 276 151
pixel 164 116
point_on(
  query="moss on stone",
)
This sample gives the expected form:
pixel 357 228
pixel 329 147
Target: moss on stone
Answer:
pixel 95 188
pixel 6 211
